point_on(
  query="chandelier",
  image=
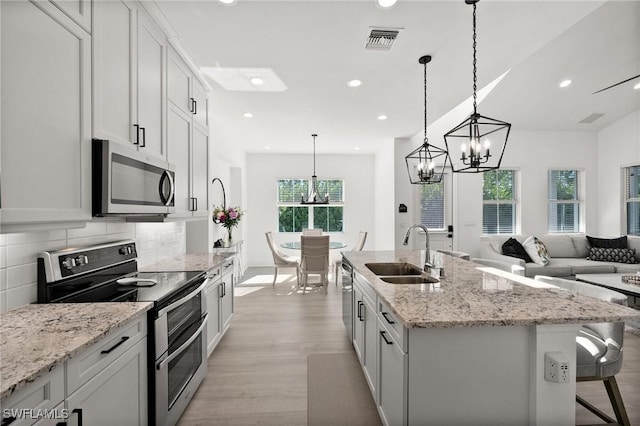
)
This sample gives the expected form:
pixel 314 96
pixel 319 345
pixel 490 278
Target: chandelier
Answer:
pixel 482 140
pixel 421 163
pixel 313 197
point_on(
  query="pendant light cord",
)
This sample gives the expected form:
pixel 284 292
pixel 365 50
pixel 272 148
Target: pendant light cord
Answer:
pixel 475 64
pixel 426 139
pixel 314 154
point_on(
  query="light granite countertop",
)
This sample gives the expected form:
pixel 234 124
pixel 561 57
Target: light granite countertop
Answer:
pixel 470 294
pixel 188 262
pixel 35 339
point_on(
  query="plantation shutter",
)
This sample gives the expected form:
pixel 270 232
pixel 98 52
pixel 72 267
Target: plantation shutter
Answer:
pixel 631 217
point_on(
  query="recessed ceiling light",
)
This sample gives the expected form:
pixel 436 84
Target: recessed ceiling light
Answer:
pixel 382 117
pixel 247 115
pixel 267 147
pixel 386 3
pixel 227 1
pixel 637 86
pixel 357 148
pixel 354 83
pixel 565 83
pixel 257 81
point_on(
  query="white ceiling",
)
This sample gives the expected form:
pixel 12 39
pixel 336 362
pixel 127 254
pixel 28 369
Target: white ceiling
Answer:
pixel 315 47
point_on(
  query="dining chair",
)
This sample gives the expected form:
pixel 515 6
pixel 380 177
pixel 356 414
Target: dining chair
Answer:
pixel 599 348
pixel 454 253
pixel 312 231
pixel 337 261
pixel 503 266
pixel 281 260
pixel 314 260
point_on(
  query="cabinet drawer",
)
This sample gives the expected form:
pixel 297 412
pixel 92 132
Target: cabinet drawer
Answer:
pixel 93 360
pixel 44 393
pixel 365 288
pixel 393 324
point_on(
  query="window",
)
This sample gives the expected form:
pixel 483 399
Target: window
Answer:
pixel 499 202
pixel 293 217
pixel 431 201
pixel 632 200
pixel 564 201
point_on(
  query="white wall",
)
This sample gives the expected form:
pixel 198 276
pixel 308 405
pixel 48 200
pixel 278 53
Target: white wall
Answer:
pixel 357 171
pixel 385 205
pixel 18 252
pixel 618 146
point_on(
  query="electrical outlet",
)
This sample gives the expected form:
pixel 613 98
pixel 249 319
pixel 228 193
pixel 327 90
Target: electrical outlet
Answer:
pixel 556 367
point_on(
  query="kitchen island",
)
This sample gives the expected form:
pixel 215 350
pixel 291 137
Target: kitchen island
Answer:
pixel 469 348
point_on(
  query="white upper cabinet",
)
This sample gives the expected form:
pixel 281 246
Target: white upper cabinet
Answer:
pixel 78 10
pixel 201 104
pixel 185 91
pixel 46 117
pixel 187 140
pixel 128 91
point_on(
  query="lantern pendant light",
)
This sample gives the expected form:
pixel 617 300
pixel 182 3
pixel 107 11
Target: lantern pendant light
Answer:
pixel 314 197
pixel 421 163
pixel 478 143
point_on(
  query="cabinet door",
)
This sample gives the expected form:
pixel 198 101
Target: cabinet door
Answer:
pixel 46 115
pixel 213 320
pixel 179 82
pixel 358 324
pixel 370 345
pixel 115 396
pixel 391 381
pixel 201 109
pixel 226 302
pixel 200 170
pixel 178 143
pixel 78 10
pixel 151 56
pixel 114 71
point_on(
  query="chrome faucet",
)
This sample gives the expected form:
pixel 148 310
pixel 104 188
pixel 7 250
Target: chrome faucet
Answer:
pixel 427 263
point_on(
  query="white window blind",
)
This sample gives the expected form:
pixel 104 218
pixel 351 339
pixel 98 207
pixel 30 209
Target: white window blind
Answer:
pixel 499 202
pixel 563 212
pixel 631 206
pixel 432 206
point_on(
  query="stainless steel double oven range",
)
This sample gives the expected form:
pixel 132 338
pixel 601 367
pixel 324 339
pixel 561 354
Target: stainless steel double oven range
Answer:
pixel 177 348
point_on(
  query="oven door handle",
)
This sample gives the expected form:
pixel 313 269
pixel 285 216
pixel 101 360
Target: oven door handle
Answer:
pixel 186 344
pixel 183 300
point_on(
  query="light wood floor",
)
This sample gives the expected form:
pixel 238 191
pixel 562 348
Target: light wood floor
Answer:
pixel 258 372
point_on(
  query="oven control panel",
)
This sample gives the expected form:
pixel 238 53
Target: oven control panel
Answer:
pixel 66 263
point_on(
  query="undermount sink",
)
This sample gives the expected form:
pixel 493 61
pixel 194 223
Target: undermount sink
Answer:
pixel 398 268
pixel 410 279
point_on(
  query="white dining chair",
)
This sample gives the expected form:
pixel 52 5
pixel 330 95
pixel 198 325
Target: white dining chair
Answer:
pixel 314 260
pixel 312 231
pixel 337 261
pixel 281 260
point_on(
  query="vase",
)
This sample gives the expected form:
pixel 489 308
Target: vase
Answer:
pixel 229 236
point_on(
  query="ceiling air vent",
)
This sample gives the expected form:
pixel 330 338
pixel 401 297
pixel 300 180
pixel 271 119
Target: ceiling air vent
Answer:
pixel 381 38
pixel 591 118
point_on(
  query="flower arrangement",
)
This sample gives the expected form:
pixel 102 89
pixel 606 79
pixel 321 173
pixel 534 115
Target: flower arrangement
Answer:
pixel 227 217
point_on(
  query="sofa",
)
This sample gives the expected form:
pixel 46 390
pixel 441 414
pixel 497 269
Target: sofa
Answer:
pixel 567 256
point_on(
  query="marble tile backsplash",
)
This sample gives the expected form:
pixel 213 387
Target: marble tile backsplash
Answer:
pixel 18 252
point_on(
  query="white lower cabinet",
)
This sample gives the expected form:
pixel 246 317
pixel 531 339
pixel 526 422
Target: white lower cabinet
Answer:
pixel 226 295
pixel 211 292
pixel 115 396
pixel 365 326
pixel 392 384
pixel 105 384
pixel 219 296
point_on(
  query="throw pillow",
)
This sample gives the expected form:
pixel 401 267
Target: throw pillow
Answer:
pixel 536 250
pixel 513 248
pixel 618 255
pixel 620 242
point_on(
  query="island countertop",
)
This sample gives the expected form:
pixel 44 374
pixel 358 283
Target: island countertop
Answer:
pixel 188 262
pixel 470 294
pixel 35 339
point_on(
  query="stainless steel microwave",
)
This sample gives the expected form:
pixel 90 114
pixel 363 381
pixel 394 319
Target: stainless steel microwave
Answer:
pixel 126 182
